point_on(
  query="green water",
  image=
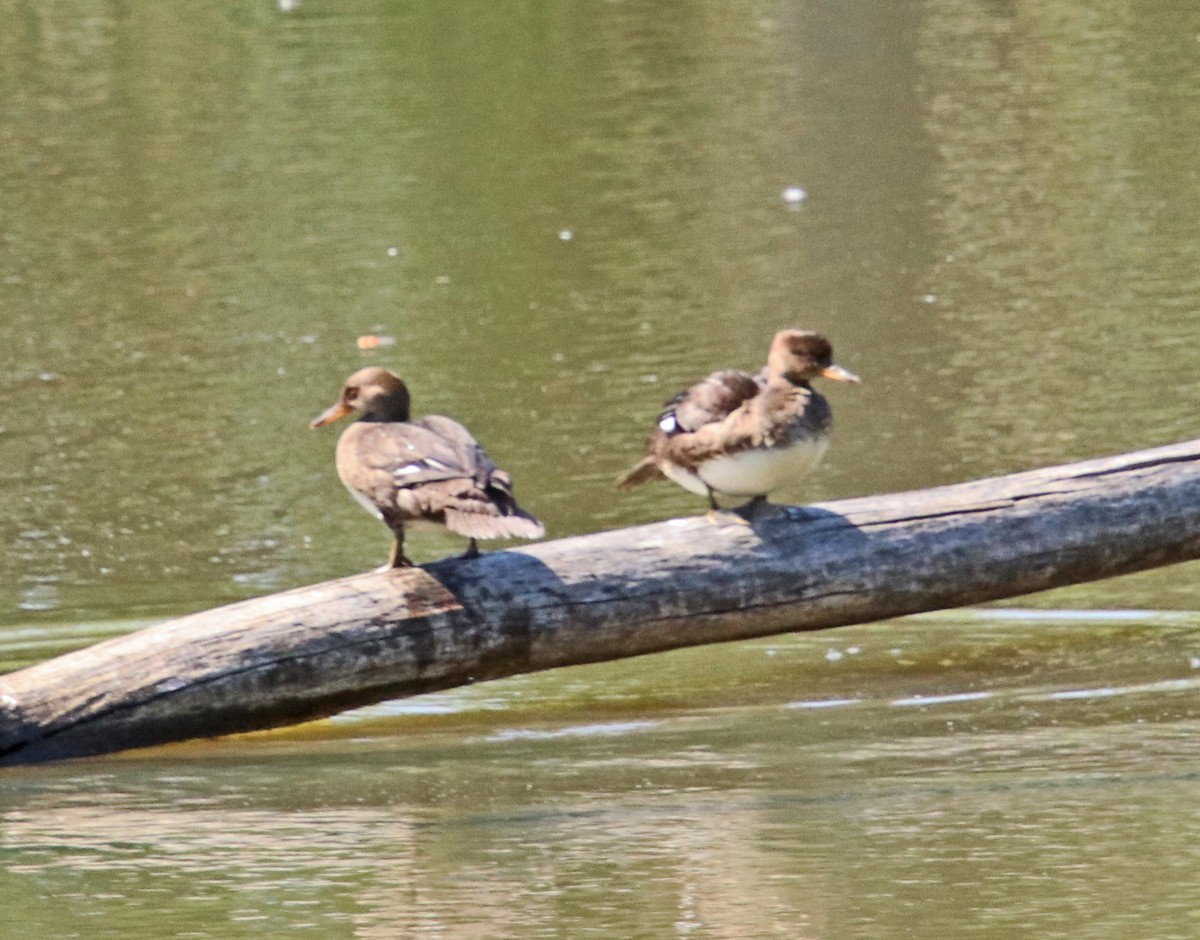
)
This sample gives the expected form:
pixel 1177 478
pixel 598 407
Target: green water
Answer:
pixel 562 212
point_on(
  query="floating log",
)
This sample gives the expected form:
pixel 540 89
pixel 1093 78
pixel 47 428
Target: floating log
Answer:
pixel 318 650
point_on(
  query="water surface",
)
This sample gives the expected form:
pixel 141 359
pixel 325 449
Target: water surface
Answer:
pixel 562 213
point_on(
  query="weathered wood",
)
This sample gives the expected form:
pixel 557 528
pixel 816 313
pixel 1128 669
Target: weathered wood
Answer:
pixel 318 650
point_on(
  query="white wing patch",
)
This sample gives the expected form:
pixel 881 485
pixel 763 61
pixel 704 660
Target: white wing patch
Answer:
pixel 420 466
pixel 668 423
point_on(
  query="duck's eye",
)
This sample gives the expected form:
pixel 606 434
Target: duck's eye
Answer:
pixel 350 394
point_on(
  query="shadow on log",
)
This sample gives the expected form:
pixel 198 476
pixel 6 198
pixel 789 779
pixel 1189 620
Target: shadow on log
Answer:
pixel 318 650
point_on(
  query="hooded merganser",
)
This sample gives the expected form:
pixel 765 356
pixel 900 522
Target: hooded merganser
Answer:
pixel 426 471
pixel 746 435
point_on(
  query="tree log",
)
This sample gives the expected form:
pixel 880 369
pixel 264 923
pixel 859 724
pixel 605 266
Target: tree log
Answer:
pixel 317 650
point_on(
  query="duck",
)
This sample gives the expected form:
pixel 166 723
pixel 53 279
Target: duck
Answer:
pixel 746 435
pixel 418 473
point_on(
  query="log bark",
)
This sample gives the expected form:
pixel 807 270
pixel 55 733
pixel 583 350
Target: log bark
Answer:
pixel 317 650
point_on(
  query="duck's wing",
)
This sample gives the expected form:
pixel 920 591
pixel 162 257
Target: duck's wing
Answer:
pixel 780 414
pixel 710 400
pixel 707 403
pixel 435 469
pixel 387 455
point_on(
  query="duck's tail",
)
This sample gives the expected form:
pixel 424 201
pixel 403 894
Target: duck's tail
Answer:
pixel 511 522
pixel 645 471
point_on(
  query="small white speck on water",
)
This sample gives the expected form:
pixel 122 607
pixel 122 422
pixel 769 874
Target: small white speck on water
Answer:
pixel 930 298
pixel 794 195
pixel 1194 662
pixel 565 235
pixel 853 650
pixel 393 251
pixel 559 357
pixel 650 378
pixel 442 279
pixel 833 655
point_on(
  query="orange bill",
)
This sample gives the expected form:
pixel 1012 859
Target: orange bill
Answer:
pixel 330 415
pixel 838 374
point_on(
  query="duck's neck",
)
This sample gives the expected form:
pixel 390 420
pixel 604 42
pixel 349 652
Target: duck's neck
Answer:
pixel 779 377
pixel 391 407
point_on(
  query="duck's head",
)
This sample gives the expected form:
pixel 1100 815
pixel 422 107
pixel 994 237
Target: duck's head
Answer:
pixel 374 394
pixel 801 356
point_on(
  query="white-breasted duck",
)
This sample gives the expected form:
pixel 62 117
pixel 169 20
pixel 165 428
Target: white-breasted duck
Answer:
pixel 738 434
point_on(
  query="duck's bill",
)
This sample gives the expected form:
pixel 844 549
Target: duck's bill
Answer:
pixel 330 415
pixel 838 374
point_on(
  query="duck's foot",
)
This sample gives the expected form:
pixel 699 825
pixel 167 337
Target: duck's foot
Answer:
pixel 718 516
pixel 724 517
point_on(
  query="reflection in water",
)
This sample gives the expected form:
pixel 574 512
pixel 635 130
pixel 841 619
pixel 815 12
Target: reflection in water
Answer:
pixel 999 232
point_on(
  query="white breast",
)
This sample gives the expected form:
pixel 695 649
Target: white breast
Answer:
pixel 761 471
pixel 685 478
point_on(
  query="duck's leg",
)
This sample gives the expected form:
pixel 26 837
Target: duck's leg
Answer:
pixel 714 510
pixel 397 558
pixel 472 550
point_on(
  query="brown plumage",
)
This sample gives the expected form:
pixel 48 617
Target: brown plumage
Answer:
pixel 430 470
pixel 746 435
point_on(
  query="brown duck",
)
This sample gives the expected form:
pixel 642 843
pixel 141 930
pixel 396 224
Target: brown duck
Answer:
pixel 738 434
pixel 428 471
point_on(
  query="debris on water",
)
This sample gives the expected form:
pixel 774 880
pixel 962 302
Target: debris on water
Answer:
pixel 393 251
pixel 833 655
pixel 565 235
pixel 794 195
pixel 371 341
